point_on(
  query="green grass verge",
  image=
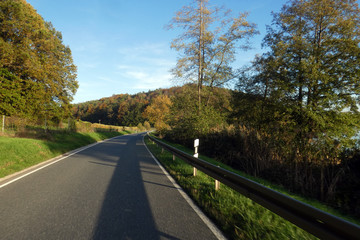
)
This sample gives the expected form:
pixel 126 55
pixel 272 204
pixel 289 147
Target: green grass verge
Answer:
pixel 237 216
pixel 313 202
pixel 17 154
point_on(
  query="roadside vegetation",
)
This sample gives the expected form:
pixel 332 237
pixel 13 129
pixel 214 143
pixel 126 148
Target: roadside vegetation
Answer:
pixel 24 146
pixel 237 216
pixel 20 153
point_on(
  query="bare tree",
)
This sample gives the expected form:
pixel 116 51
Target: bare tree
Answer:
pixel 208 44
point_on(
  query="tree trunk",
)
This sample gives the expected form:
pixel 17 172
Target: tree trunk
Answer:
pixel 200 72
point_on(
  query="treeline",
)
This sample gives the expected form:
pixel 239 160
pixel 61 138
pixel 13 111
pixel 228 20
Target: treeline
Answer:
pixel 37 74
pixel 132 110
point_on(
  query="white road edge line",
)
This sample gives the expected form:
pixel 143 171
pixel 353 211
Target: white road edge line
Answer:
pixel 53 162
pixel 214 229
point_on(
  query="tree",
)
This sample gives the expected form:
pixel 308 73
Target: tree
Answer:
pixel 307 87
pixel 147 125
pixel 157 112
pixel 209 43
pixel 186 123
pixel 312 67
pixel 33 56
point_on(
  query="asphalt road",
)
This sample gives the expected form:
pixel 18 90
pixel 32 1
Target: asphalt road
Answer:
pixel 112 190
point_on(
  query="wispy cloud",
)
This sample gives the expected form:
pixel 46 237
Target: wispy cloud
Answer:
pixel 146 66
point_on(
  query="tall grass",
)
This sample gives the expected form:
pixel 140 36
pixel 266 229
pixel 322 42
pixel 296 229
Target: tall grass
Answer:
pixel 316 170
pixel 237 216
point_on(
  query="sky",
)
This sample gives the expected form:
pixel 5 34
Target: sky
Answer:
pixel 122 46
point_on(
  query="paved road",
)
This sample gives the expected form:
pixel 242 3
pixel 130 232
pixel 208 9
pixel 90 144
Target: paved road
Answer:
pixel 112 190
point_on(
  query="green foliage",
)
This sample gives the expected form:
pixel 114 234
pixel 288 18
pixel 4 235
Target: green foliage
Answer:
pixel 301 97
pixel 308 83
pixel 187 122
pixel 20 153
pixel 237 216
pixel 10 93
pixel 35 61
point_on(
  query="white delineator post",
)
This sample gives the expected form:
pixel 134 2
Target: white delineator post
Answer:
pixel 196 145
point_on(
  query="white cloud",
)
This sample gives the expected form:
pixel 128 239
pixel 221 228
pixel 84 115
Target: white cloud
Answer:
pixel 145 66
pixel 136 75
pixel 107 79
pixel 145 49
pixel 153 82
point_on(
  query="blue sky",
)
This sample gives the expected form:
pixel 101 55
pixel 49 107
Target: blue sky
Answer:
pixel 121 46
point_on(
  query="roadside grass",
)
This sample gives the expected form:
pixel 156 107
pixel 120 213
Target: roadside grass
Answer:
pixel 17 154
pixel 237 216
pixel 313 202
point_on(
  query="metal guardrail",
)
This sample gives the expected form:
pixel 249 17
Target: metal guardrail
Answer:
pixel 319 223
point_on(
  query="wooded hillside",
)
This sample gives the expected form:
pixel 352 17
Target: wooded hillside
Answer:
pixel 127 110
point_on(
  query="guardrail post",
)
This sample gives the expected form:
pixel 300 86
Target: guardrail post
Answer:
pixel 196 145
pixel 217 185
pixel 316 222
pixel 173 157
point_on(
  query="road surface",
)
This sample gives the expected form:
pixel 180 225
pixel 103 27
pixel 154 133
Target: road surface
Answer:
pixel 111 190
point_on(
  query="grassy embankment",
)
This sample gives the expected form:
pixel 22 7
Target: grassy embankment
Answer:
pixel 237 216
pixel 17 154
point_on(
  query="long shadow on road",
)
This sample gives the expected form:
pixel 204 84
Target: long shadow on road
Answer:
pixel 126 213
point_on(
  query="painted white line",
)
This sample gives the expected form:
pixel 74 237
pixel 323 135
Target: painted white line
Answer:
pixel 53 162
pixel 214 229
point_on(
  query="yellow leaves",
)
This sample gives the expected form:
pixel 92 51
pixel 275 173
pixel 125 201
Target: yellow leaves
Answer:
pixel 157 112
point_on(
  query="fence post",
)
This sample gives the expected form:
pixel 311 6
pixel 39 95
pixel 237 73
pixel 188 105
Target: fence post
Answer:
pixel 196 145
pixel 45 124
pixel 3 124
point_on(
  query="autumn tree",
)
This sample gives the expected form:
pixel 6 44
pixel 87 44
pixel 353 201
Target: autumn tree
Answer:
pixel 35 61
pixel 157 112
pixel 147 125
pixel 208 44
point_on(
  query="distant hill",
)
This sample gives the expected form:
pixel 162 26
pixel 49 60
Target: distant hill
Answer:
pixel 121 109
pixel 124 109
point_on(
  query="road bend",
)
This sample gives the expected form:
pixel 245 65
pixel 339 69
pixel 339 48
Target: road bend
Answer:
pixel 112 190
